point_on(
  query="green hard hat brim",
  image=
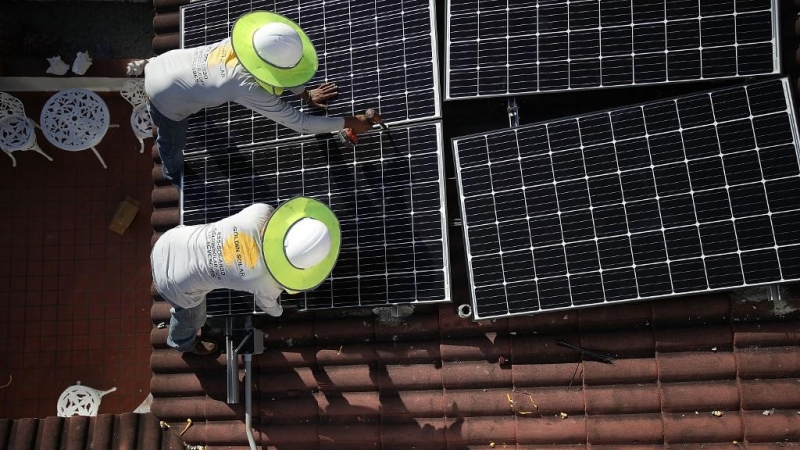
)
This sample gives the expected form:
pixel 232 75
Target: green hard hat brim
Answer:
pixel 293 279
pixel 264 72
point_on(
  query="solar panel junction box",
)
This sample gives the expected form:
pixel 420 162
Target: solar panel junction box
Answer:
pixel 248 341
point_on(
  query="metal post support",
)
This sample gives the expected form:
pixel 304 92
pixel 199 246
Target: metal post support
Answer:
pixel 233 363
pixel 774 293
pixel 248 385
pixel 513 112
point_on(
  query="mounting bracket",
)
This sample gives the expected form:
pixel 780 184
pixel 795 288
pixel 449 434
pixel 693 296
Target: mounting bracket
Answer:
pixel 513 112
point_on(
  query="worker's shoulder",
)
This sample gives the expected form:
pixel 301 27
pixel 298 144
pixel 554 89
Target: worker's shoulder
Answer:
pixel 257 209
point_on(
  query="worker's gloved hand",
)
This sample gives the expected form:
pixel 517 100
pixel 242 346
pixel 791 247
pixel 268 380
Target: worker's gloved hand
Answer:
pixel 317 97
pixel 359 124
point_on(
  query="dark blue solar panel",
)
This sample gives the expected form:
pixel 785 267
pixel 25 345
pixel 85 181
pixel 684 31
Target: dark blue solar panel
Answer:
pixel 528 46
pixel 687 195
pixel 388 195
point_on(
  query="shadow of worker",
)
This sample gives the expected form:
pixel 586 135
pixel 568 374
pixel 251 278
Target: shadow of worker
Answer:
pixel 298 405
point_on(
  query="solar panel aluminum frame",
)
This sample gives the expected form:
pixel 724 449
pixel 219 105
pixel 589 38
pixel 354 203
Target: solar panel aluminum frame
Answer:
pixel 795 131
pixel 437 101
pixel 776 58
pixel 254 310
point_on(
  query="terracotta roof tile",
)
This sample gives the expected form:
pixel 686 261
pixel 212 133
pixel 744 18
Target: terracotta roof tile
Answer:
pixel 552 429
pixel 696 366
pixel 642 370
pixel 424 326
pixel 542 349
pixel 768 362
pixel 700 396
pixel 780 426
pixel 480 430
pixel 399 406
pixel 544 374
pixel 636 398
pixel 422 433
pixel 625 429
pixel 776 334
pixel 708 337
pixel 703 427
pixel 764 395
pixel 408 352
pixel 410 377
pixel 127 431
pixel 474 374
pixel 490 348
pixel 347 354
pixel 772 445
pixel 687 311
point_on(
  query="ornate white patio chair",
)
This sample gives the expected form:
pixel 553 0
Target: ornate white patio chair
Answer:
pixel 133 92
pixel 141 124
pixel 79 400
pixel 17 134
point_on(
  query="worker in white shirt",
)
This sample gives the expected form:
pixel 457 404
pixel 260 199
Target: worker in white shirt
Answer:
pixel 266 54
pixel 260 250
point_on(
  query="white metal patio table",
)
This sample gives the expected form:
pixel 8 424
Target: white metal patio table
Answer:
pixel 75 120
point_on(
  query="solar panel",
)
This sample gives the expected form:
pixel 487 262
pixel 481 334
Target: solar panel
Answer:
pixel 681 196
pixel 503 48
pixel 388 195
pixel 381 54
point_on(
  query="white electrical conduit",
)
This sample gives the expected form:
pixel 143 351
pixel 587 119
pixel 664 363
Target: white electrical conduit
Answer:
pixel 248 399
pixel 248 388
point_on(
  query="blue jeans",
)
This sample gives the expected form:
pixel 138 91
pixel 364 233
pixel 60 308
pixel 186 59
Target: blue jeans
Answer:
pixel 183 326
pixel 170 141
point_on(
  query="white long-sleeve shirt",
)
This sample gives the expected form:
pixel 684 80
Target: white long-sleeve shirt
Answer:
pixel 191 261
pixel 184 81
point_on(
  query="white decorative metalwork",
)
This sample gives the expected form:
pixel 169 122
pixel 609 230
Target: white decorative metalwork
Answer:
pixel 78 400
pixel 10 105
pixel 133 92
pixel 75 120
pixel 141 124
pixel 17 134
pixel 136 68
pixel 82 63
pixel 57 66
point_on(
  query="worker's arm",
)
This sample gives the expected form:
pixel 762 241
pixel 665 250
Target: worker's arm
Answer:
pixel 281 112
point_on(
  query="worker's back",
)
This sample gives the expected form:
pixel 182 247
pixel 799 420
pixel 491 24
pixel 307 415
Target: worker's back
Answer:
pixel 188 262
pixel 182 82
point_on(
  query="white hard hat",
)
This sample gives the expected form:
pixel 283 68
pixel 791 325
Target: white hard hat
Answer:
pixel 307 243
pixel 278 44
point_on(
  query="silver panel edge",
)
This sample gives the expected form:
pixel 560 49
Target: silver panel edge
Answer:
pixel 437 95
pixel 465 232
pixel 787 90
pixel 448 292
pixel 776 38
pixel 447 51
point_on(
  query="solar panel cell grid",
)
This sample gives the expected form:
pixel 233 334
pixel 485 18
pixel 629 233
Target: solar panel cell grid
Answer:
pixel 388 195
pixel 678 196
pixel 379 53
pixel 528 46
